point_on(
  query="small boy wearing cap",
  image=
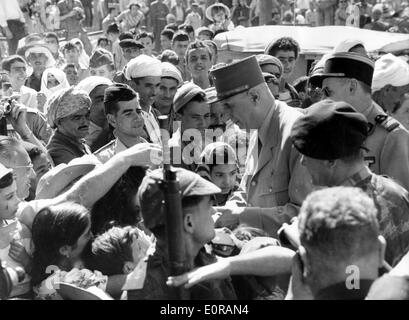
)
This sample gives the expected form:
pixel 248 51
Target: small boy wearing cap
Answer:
pixel 101 64
pixel 199 61
pixel 193 115
pixel 198 229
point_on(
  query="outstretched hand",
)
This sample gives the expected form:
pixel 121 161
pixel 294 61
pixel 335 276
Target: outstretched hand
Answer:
pixel 144 154
pixel 217 270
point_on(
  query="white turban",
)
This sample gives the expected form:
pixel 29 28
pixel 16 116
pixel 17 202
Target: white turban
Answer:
pixel 170 71
pixel 391 70
pixel 143 66
pixel 90 83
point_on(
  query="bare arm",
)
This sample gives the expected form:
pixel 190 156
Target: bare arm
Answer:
pixel 268 261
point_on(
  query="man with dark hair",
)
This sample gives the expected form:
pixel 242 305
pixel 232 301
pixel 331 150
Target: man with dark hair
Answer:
pixel 103 43
pixel 190 31
pixel 145 73
pixel 51 39
pixel 286 49
pixel 180 42
pixel 147 40
pixel 330 136
pixel 341 249
pixel 124 115
pixel 199 61
pixel 166 39
pixel 72 55
pixel 198 229
pixel 348 77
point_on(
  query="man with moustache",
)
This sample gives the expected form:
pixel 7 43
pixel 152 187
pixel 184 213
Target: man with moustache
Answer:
pixel 124 115
pixel 171 80
pixel 68 113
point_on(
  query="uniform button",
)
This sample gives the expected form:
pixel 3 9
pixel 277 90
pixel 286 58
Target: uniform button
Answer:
pixel 253 183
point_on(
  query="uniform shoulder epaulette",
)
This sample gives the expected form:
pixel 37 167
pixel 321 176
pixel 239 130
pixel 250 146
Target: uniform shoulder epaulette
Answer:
pixel 386 122
pixel 104 147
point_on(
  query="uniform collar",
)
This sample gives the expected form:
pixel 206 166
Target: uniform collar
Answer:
pixel 372 112
pixel 357 177
pixel 268 131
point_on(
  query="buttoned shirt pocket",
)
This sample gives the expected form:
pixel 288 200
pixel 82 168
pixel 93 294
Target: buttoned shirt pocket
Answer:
pixel 275 192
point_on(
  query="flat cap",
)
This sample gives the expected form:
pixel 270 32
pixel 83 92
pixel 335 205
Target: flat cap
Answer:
pixel 229 80
pixel 100 57
pixel 329 130
pixel 345 65
pixel 169 70
pixel 185 94
pixel 130 43
pixel 151 198
pixel 264 59
pixel 143 66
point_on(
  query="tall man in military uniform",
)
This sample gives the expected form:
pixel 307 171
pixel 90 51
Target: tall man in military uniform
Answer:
pixel 348 77
pixel 273 176
pixel 330 137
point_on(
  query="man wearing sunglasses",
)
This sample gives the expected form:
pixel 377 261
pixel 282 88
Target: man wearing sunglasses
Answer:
pixel 348 77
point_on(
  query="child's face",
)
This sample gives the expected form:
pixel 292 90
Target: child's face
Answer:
pixel 8 202
pixel 219 16
pixel 224 176
pixel 72 75
pixel 198 61
pixel 71 55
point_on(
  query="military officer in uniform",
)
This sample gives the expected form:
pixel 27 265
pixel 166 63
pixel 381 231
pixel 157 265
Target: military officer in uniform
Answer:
pixel 348 77
pixel 274 179
pixel 330 137
pixel 124 116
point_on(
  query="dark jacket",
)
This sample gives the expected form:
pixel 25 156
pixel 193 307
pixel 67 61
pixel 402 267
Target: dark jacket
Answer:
pixel 63 149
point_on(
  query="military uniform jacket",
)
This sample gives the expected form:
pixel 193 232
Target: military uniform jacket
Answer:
pixel 268 175
pixel 392 202
pixel 388 145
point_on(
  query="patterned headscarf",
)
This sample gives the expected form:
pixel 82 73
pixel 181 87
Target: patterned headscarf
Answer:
pixel 65 103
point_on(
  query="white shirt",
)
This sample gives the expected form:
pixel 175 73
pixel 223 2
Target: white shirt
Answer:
pixel 10 10
pixel 303 4
pixel 28 97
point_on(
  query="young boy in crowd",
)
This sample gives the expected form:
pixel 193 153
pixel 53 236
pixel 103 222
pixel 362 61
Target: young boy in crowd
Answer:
pixel 219 165
pixel 101 63
pixel 198 229
pixel 193 114
pixel 166 39
pixel 199 62
pixel 72 55
pixel 180 42
pixel 148 41
pixel 71 72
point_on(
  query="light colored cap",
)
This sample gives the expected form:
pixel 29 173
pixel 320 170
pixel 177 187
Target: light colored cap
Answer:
pixel 143 66
pixel 389 69
pixel 170 71
pixel 55 181
pixel 90 83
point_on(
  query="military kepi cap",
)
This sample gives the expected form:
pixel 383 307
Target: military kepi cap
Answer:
pixel 151 198
pixel 237 77
pixel 345 65
pixel 329 130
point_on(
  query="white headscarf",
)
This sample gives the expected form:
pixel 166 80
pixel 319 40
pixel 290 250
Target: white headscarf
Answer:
pixel 83 58
pixel 59 75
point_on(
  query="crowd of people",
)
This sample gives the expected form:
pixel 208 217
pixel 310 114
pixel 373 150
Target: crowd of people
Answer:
pixel 288 189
